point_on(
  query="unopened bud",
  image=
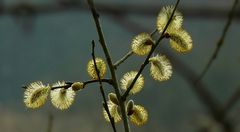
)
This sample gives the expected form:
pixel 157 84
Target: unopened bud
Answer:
pixel 130 107
pixel 77 86
pixel 113 98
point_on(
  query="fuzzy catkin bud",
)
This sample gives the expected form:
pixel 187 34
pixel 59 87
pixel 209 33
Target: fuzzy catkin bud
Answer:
pixel 161 68
pixel 77 86
pixel 164 17
pixel 139 116
pixel 142 44
pixel 62 98
pixel 113 109
pixel 101 66
pixel 128 78
pixel 36 94
pixel 180 41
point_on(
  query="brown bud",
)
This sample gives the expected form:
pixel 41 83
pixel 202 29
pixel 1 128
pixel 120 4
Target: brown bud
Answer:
pixel 77 86
pixel 130 107
pixel 113 98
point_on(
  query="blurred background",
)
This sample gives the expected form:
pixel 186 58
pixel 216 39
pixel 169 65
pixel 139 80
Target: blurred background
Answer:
pixel 50 40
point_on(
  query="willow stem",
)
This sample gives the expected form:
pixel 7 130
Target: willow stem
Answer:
pixel 110 65
pixel 105 105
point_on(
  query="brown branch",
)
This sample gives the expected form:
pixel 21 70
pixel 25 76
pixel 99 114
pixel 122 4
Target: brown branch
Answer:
pixel 220 41
pixel 105 105
pixel 110 64
pixel 150 53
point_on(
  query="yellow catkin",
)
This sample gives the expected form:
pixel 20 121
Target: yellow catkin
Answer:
pixel 180 41
pixel 128 78
pixel 101 67
pixel 36 95
pixel 142 44
pixel 113 109
pixel 165 15
pixel 139 116
pixel 161 68
pixel 62 98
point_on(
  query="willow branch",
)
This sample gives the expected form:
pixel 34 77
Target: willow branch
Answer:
pixel 120 61
pixel 184 70
pixel 150 53
pixel 68 84
pixel 110 64
pixel 221 40
pixel 105 105
pixel 201 90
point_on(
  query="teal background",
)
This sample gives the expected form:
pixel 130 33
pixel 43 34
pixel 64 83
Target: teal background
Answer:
pixel 58 46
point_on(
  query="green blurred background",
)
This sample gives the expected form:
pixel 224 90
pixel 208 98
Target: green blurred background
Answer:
pixel 57 46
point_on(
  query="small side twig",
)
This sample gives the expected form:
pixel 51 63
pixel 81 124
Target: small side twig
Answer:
pixel 150 53
pixel 220 41
pixel 125 57
pixel 105 105
pixel 153 32
pixel 68 84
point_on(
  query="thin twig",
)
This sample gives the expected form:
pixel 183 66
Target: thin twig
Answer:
pixel 120 61
pixel 105 105
pixel 153 32
pixel 220 41
pixel 68 84
pixel 110 64
pixel 150 53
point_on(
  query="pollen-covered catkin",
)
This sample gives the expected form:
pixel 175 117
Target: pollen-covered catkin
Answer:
pixel 62 98
pixel 164 17
pixel 101 66
pixel 142 44
pixel 36 94
pixel 128 78
pixel 139 116
pixel 161 68
pixel 113 109
pixel 180 41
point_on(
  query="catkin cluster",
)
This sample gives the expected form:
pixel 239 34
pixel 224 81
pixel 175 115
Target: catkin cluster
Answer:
pixel 62 94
